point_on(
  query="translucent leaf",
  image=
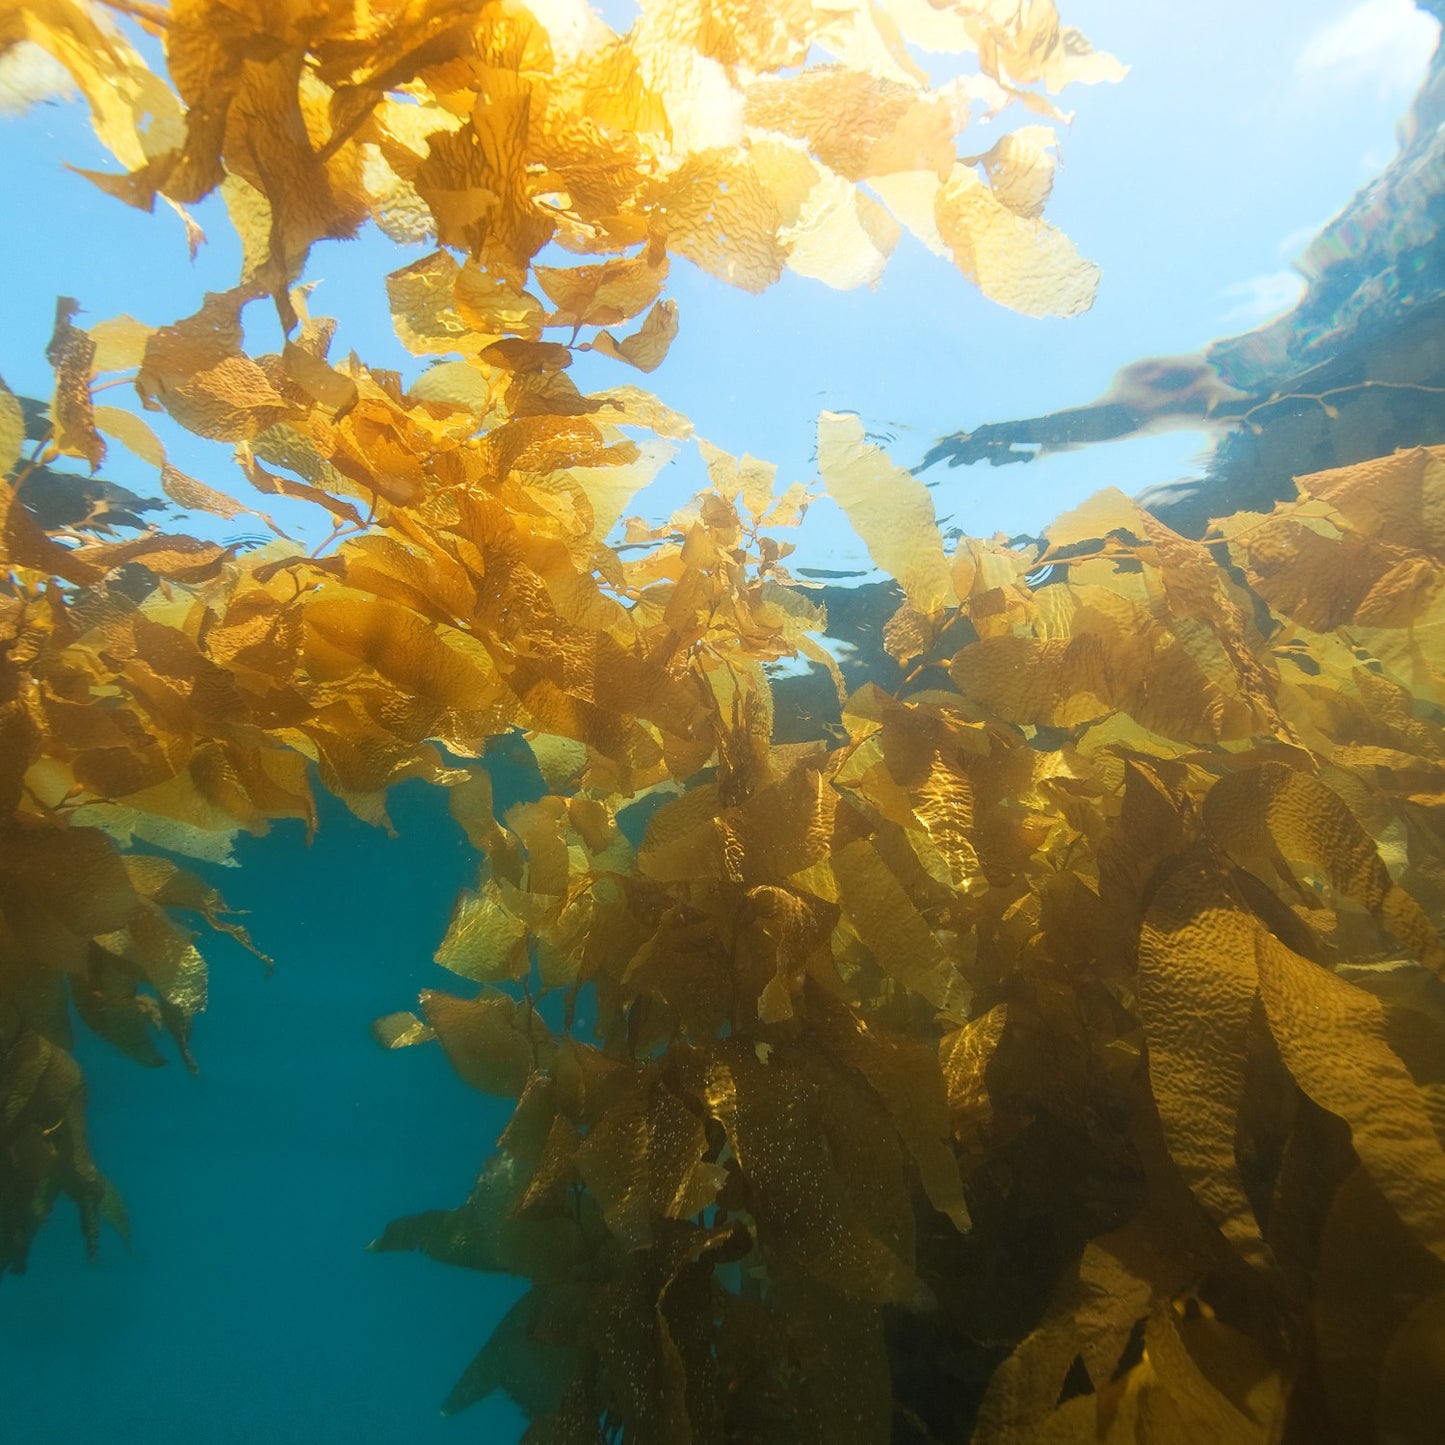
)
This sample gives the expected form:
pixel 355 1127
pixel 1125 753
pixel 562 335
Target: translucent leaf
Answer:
pixel 1333 1039
pixel 891 510
pixel 130 430
pixel 12 430
pixel 344 632
pixel 1275 806
pixel 484 941
pixel 493 1042
pixel 860 125
pixel 605 294
pixel 1197 994
pixel 1017 260
pixel 646 347
pixel 963 1058
pixel 895 932
pixel 1020 168
pixel 120 343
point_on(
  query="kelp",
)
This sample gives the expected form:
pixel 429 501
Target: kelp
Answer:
pixel 1049 1048
pixel 1039 1024
pixel 748 139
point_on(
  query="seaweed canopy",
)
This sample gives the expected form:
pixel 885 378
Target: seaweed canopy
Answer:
pixel 166 691
pixel 494 129
pixel 1058 1056
pixel 1048 1049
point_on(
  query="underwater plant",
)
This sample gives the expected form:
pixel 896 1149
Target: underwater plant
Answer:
pixel 1047 1048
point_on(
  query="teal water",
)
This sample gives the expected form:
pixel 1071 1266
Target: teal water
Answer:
pixel 247 1308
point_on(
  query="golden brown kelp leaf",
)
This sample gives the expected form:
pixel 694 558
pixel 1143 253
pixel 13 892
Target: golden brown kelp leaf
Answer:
pixel 1207 1382
pixel 1267 815
pixel 905 1073
pixel 12 429
pixel 488 157
pixel 485 941
pixel 71 899
pixel 1197 998
pixel 1021 168
pixel 1412 1384
pixel 787 1127
pixel 1015 259
pixel 1180 582
pixel 1373 1276
pixel 1118 644
pixel 71 352
pixel 891 510
pixel 1035 46
pixel 1031 680
pixel 1358 553
pixel 858 123
pixel 646 347
pixel 134 113
pixel 769 974
pixel 76 919
pixel 789 932
pixel 1151 829
pixel 1333 1038
pixel 897 935
pixel 1096 1308
pixel 989 581
pixel 648 1157
pixel 43 1144
pixel 196 368
pixel 534 1354
pixel 1394 500
pixel 348 630
pixel 493 1042
pixel 1326 581
pixel 605 294
pixel 253 125
pixel 492 1230
pixel 518 129
pixel 631 1332
pixel 23 543
pixel 963 1057
pixel 1018 868
pixel 62 887
pixel 828 1369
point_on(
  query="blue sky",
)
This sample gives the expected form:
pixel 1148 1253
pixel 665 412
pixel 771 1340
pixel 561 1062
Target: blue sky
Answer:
pixel 1240 128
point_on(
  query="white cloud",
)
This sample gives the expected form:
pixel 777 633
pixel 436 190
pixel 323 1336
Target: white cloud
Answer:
pixel 1261 297
pixel 1384 43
